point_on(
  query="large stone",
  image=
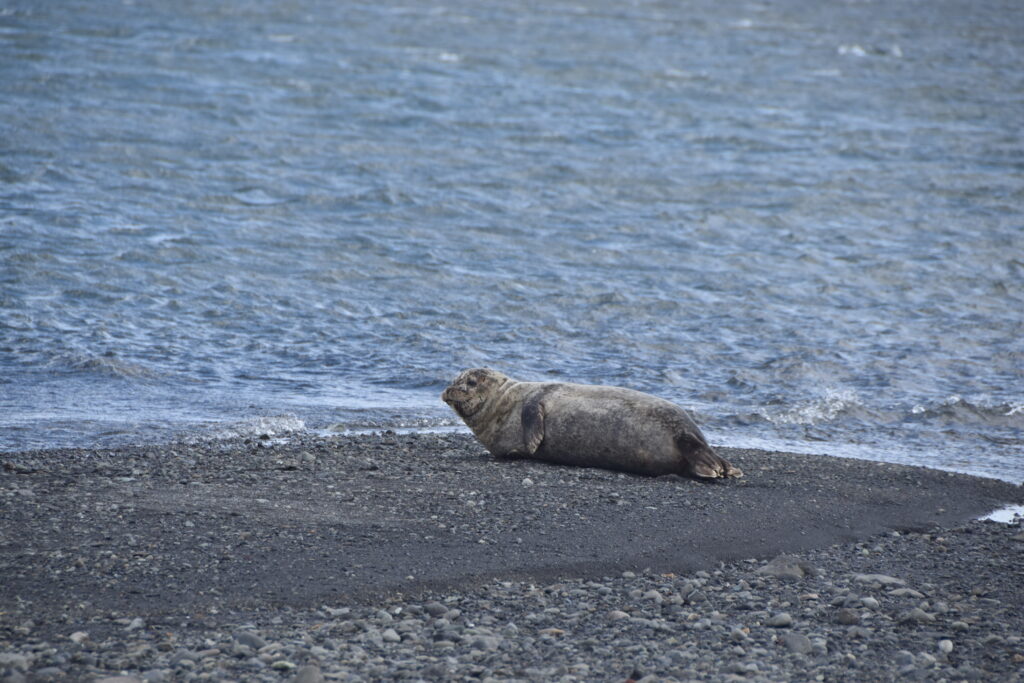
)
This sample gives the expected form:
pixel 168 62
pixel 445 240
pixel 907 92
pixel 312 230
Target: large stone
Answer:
pixel 797 642
pixel 879 579
pixel 308 674
pixel 435 609
pixel 787 568
pixel 848 616
pixel 916 615
pixel 250 639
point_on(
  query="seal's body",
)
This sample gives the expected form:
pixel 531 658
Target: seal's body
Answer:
pixel 584 425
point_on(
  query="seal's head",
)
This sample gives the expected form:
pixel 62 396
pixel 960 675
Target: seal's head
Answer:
pixel 472 389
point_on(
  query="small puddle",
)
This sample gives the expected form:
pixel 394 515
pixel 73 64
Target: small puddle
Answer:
pixel 1006 515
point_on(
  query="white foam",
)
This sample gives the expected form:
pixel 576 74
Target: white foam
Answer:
pixel 272 426
pixel 822 409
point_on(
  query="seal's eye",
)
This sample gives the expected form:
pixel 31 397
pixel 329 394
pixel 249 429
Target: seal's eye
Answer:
pixel 470 382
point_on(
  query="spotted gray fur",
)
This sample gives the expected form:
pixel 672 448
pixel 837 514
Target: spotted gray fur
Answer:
pixel 584 425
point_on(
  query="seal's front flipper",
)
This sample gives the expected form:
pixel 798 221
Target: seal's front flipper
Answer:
pixel 533 426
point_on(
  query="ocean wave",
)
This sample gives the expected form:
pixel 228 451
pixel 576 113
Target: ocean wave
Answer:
pixel 106 364
pixel 957 410
pixel 835 403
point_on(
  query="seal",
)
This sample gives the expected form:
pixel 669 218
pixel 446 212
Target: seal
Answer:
pixel 584 425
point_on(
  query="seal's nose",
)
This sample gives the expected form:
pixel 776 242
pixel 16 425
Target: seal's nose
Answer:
pixel 445 397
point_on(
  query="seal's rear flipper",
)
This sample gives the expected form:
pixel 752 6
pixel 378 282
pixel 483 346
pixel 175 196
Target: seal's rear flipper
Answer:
pixel 702 460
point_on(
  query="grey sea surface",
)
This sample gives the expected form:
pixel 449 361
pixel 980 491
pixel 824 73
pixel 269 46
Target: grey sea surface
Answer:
pixel 801 220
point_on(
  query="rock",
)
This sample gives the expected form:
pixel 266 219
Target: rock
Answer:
pixel 53 673
pixel 250 639
pixel 14 661
pixel 945 646
pixel 374 637
pixel 869 602
pixel 78 637
pixel 435 609
pixel 657 597
pixel 848 616
pixel 486 643
pixel 916 615
pixel 283 665
pixel 135 624
pixel 797 642
pixel 616 615
pixel 903 658
pixel 906 593
pixel 967 672
pixel 780 620
pixel 390 635
pixel 787 568
pixel 527 481
pixel 308 674
pixel 879 579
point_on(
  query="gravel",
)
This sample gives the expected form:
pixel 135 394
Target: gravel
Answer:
pixel 418 557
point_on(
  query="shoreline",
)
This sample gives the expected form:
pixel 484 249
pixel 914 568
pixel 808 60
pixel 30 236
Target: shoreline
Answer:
pixel 418 551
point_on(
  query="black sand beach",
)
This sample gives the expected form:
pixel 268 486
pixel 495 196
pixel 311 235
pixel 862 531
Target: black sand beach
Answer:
pixel 420 557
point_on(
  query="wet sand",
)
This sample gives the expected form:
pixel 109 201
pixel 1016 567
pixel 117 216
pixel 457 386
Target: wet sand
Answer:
pixel 203 539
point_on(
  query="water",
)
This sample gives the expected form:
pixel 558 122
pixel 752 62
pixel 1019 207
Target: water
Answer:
pixel 801 220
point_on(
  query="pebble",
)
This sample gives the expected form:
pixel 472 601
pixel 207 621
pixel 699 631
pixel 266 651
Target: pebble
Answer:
pixel 250 639
pixel 945 646
pixel 283 665
pixel 848 616
pixel 308 674
pixel 903 658
pixel 12 660
pixel 780 620
pixel 916 615
pixel 869 602
pixel 797 642
pixel 879 579
pixel 784 567
pixel 435 609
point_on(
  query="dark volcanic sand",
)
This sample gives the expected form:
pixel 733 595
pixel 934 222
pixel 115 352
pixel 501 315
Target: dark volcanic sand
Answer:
pixel 198 540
